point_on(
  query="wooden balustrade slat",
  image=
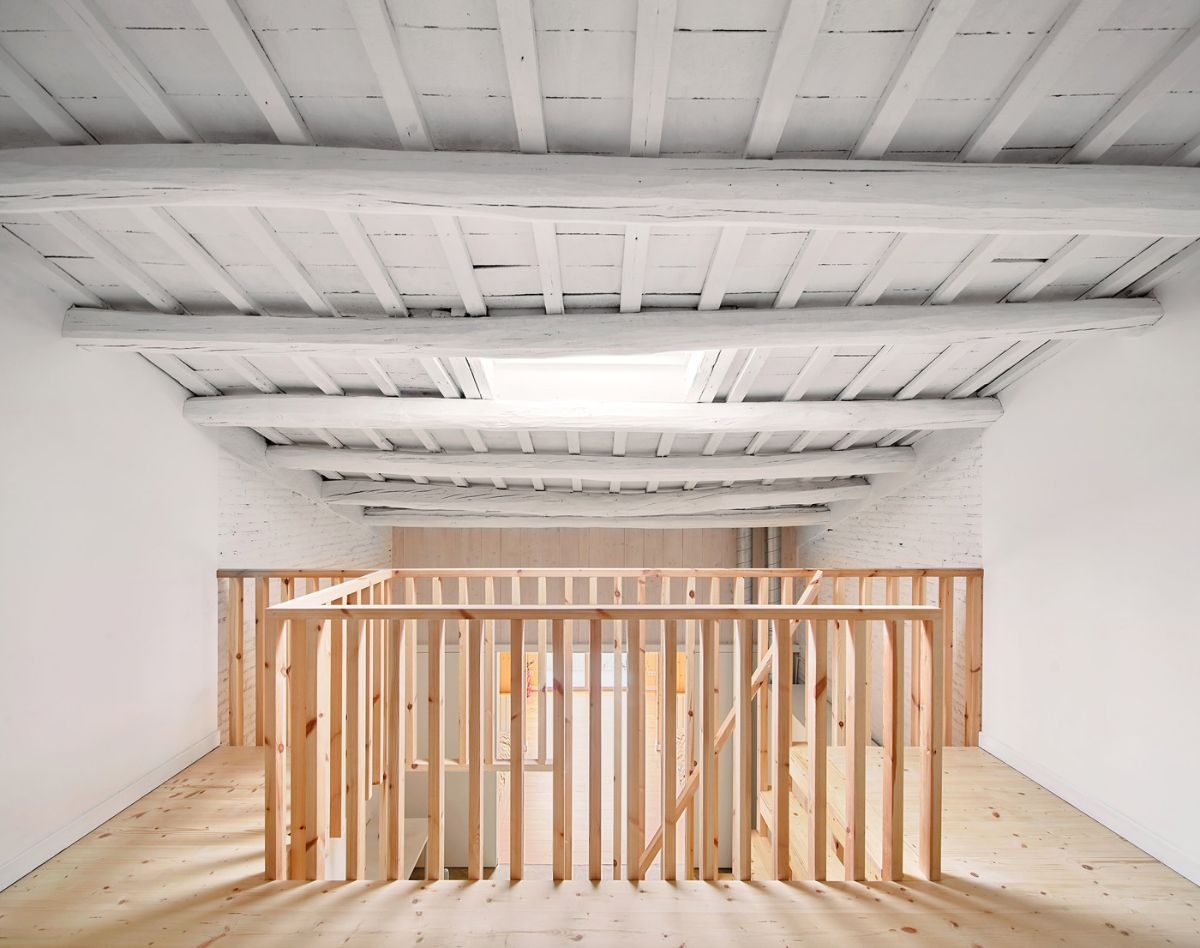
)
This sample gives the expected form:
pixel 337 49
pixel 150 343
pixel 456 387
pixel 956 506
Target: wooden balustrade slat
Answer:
pixel 635 802
pixel 409 706
pixel 816 725
pixel 377 681
pixel 595 745
pixel 691 671
pixel 262 596
pixel 461 597
pixel 915 640
pixel 543 672
pixel 316 759
pixel 435 854
pixel 709 657
pixel 931 752
pixel 489 674
pixel 837 676
pixel 781 726
pixel 275 709
pixel 356 769
pixel 297 745
pixel 855 855
pixel 946 604
pixel 559 792
pixel 337 750
pixel 618 830
pixel 743 748
pixel 669 686
pixel 475 659
pixel 973 661
pixel 892 861
pixel 396 702
pixel 235 619
pixel 516 763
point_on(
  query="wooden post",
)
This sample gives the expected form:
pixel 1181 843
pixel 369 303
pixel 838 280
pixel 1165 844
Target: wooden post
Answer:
pixel 396 738
pixel 595 745
pixel 559 758
pixel 816 725
pixel 892 867
pixel 383 774
pixel 568 693
pixel 463 685
pixel 781 779
pixel 856 754
pixel 298 674
pixel 475 750
pixel 668 684
pixel 377 681
pixel 916 647
pixel 235 617
pixel 489 675
pixel 973 636
pixel 356 771
pixel 709 658
pixel 262 597
pixel 618 735
pixel 516 761
pixel 931 753
pixel 946 604
pixel 410 678
pixel 691 679
pixel 543 673
pixel 275 705
pixel 838 671
pixel 316 757
pixel 337 749
pixel 435 853
pixel 636 780
pixel 764 731
pixel 743 746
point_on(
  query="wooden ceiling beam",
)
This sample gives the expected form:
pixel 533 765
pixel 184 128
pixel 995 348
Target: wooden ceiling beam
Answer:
pixel 651 70
pixel 39 104
pixel 519 40
pixel 373 411
pixel 490 500
pixel 804 194
pixel 378 35
pixel 785 517
pixel 528 336
pixel 573 465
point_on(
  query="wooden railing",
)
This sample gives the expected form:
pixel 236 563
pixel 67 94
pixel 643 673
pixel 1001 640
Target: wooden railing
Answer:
pixel 339 703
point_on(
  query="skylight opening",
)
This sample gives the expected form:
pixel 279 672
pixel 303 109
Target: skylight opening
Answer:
pixel 659 377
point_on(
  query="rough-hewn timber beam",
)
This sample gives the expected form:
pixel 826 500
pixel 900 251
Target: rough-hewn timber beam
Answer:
pixel 531 336
pixel 717 467
pixel 490 500
pixel 363 411
pixel 788 517
pixel 848 195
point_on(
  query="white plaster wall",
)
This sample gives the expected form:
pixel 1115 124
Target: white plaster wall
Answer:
pixel 261 525
pixel 1091 547
pixel 108 544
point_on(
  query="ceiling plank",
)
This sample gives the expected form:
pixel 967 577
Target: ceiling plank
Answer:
pixel 119 61
pixel 940 22
pixel 227 25
pixel 590 503
pixel 798 516
pixel 40 105
pixel 255 226
pixel 358 244
pixel 519 40
pixel 1075 27
pixel 793 50
pixel 573 465
pixel 378 35
pixel 651 70
pixel 886 195
pixel 317 411
pixel 1136 102
pixel 610 333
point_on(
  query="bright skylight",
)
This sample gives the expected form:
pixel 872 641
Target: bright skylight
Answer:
pixel 662 377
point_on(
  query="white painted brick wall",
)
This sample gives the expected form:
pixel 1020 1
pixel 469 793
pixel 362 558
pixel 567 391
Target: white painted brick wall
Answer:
pixel 934 521
pixel 262 525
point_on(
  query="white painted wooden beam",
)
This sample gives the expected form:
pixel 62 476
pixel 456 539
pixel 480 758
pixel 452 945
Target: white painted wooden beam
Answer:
pixel 784 517
pixel 1131 271
pixel 519 39
pixel 590 503
pixel 545 242
pixel 379 39
pixel 358 244
pixel 1075 27
pixel 227 25
pixel 803 268
pixel 607 334
pixel 1186 259
pixel 458 259
pixel 315 411
pixel 1187 154
pixel 633 266
pixel 20 254
pixel 721 467
pixel 39 104
pixel 966 271
pixel 940 22
pixel 651 70
pixel 793 50
pixel 1058 263
pixel 891 196
pixel 1136 102
pixel 117 59
pixel 317 375
pixel 721 266
pixel 256 228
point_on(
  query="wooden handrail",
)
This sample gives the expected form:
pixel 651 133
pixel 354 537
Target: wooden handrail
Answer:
pixel 583 572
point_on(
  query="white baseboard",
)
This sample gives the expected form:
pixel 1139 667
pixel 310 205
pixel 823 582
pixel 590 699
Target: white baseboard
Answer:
pixel 1166 852
pixel 49 846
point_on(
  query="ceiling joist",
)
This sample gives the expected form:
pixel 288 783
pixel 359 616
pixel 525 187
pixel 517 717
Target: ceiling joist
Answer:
pixel 795 517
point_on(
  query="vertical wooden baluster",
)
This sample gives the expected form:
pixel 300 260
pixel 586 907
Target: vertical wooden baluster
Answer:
pixel 516 753
pixel 816 725
pixel 931 752
pixel 856 754
pixel 664 597
pixel 865 597
pixel 435 854
pixel 275 709
pixel 384 774
pixel 356 775
pixel 489 675
pixel 892 867
pixel 410 676
pixel 298 675
pixel 714 598
pixel 764 732
pixel 618 833
pixel 316 757
pixel 917 647
pixel 543 673
pixel 262 597
pixel 337 749
pixel 475 754
pixel 595 743
pixel 743 747
pixel 636 783
pixel 559 755
pixel 568 690
pixel 287 587
pixel 668 684
pixel 462 597
pixel 378 647
pixel 946 604
pixel 396 739
pixel 709 658
pixel 691 673
pixel 781 726
pixel 973 636
pixel 235 619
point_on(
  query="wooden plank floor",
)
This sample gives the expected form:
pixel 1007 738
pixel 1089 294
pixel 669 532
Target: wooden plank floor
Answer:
pixel 183 867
